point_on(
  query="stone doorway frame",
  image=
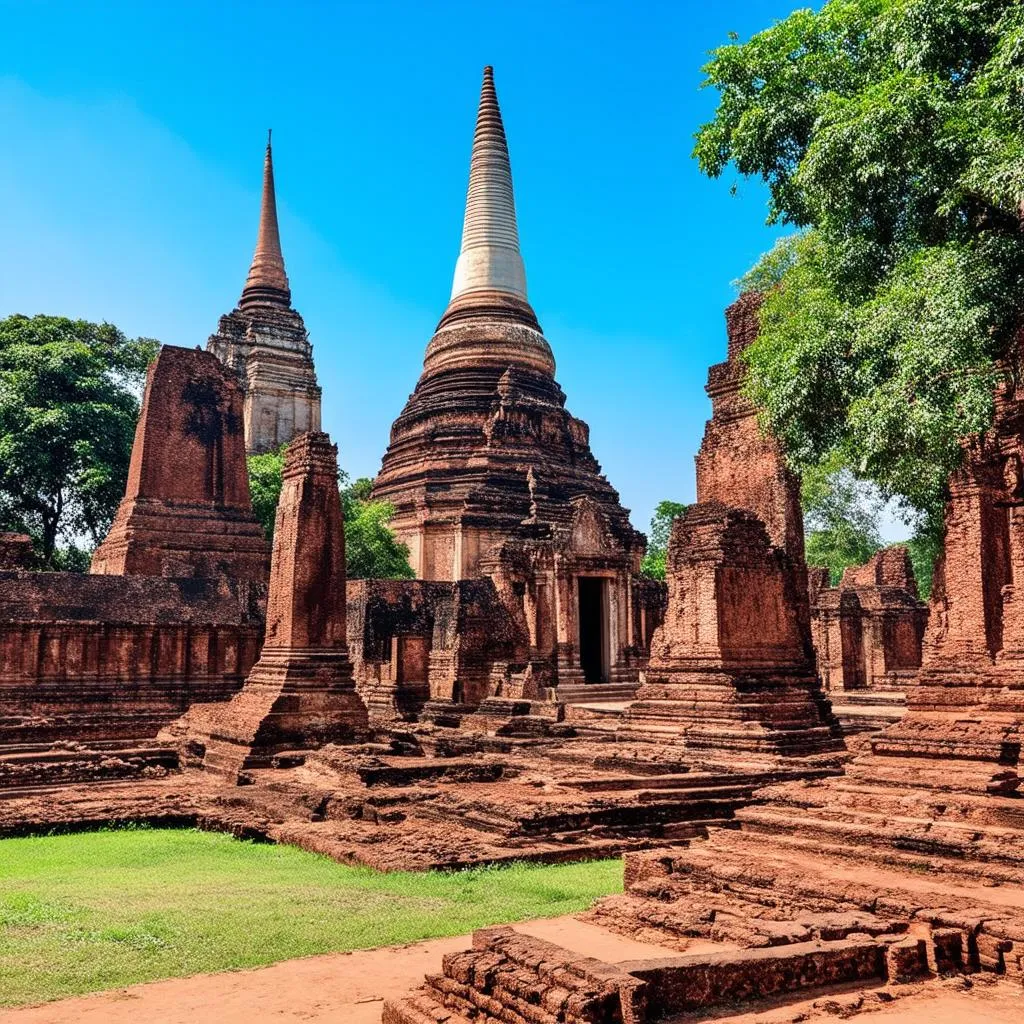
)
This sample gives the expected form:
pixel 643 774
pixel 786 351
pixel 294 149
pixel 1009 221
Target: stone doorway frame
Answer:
pixel 603 584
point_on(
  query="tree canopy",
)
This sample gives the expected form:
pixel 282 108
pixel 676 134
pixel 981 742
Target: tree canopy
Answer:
pixel 890 134
pixel 665 512
pixel 841 521
pixel 69 400
pixel 371 549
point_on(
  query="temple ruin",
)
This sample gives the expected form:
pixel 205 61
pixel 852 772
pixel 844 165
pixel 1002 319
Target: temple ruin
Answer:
pixel 265 343
pixel 491 476
pixel 187 510
pixel 837 894
pixel 438 722
pixel 868 633
pixel 300 694
pixel 172 612
pixel 732 666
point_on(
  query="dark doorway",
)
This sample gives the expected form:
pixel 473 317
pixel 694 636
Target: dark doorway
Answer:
pixel 851 634
pixel 592 629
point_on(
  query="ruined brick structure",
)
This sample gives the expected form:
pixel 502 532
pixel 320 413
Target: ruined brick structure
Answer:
pixel 738 464
pixel 414 641
pixel 732 666
pixel 300 694
pixel 265 343
pixel 15 550
pixel 186 509
pixel 906 870
pixel 118 657
pixel 915 835
pixel 488 471
pixel 968 698
pixel 173 610
pixel 868 630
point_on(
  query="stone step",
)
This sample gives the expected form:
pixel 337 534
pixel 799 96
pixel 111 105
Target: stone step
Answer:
pixel 447 769
pixel 924 836
pixel 22 769
pixel 894 699
pixel 592 693
pixel 676 782
pixel 422 1008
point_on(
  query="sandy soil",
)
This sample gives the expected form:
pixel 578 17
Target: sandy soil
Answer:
pixel 931 1003
pixel 347 987
pixel 351 987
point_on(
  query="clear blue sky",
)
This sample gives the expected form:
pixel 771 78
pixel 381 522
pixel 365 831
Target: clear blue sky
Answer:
pixel 130 162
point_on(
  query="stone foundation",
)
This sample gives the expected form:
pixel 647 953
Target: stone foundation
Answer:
pixel 729 667
pixel 868 631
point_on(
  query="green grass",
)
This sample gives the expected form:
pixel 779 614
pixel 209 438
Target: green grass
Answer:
pixel 85 912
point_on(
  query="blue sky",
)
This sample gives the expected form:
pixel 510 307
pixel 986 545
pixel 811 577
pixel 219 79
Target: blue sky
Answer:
pixel 130 162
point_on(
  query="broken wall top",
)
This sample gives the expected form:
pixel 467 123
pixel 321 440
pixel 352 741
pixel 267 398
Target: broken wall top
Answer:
pixel 190 439
pixel 306 603
pixel 737 464
pixel 52 597
pixel 890 567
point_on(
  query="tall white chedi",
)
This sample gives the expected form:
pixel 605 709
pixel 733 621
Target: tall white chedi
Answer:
pixel 490 259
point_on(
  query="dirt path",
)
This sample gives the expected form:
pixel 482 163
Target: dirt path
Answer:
pixel 351 987
pixel 347 987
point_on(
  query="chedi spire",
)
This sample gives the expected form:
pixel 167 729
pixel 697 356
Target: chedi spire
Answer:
pixel 489 260
pixel 267 282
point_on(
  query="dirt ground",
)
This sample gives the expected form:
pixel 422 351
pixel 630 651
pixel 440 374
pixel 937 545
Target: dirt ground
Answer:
pixel 351 987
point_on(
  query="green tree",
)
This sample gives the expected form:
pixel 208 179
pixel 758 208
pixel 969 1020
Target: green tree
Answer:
pixel 371 550
pixel 68 407
pixel 841 520
pixel 890 134
pixel 665 512
pixel 265 472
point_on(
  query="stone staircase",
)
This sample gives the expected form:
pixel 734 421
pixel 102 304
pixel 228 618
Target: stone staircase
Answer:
pixel 517 979
pixel 596 693
pixel 868 710
pixel 737 888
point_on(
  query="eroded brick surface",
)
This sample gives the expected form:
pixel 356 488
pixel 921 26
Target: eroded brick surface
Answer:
pixel 186 509
pixel 300 693
pixel 868 631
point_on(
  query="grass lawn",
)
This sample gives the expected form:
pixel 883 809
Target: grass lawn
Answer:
pixel 85 912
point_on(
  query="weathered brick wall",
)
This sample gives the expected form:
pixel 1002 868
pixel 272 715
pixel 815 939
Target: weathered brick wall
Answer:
pixel 186 509
pixel 117 657
pixel 15 549
pixel 306 604
pixel 730 597
pixel 300 694
pixel 413 640
pixel 737 465
pixel 868 631
pixel 731 666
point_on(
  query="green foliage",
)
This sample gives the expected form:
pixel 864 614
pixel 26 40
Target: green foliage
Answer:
pixel 92 911
pixel 891 134
pixel 68 407
pixel 265 472
pixel 69 558
pixel 665 512
pixel 924 550
pixel 841 520
pixel 371 550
